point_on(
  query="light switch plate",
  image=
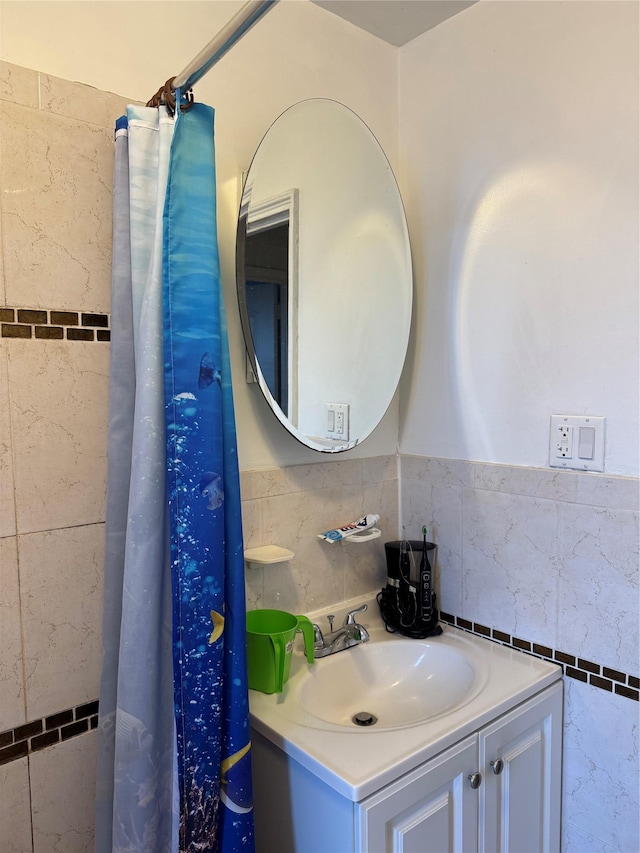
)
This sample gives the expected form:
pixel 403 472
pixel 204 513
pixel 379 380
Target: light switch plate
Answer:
pixel 337 421
pixel 577 442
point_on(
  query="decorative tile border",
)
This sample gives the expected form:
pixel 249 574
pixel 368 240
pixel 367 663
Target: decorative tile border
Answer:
pixel 598 675
pixel 39 734
pixel 53 325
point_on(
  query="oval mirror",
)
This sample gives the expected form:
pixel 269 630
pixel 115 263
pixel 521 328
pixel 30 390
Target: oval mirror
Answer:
pixel 324 275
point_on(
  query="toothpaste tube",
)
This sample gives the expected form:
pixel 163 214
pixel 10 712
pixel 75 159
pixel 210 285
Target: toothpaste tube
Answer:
pixel 339 533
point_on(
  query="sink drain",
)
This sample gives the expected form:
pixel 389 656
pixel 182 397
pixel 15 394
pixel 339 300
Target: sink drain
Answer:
pixel 364 718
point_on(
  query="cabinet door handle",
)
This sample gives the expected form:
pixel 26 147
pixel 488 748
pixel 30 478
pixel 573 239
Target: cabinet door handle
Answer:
pixel 475 780
pixel 497 766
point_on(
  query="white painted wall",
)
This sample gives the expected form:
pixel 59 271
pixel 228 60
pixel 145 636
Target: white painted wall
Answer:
pixel 296 51
pixel 519 128
pixel 519 137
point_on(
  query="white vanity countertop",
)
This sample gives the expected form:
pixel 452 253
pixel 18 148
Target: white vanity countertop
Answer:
pixel 356 762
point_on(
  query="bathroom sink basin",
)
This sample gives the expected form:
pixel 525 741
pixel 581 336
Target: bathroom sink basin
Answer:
pixel 382 685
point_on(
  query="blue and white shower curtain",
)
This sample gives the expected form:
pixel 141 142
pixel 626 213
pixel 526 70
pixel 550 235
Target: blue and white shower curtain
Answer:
pixel 174 743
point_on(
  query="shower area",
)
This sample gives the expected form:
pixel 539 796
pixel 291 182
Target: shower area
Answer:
pixel 171 715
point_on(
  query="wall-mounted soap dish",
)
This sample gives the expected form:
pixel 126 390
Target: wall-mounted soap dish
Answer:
pixel 267 554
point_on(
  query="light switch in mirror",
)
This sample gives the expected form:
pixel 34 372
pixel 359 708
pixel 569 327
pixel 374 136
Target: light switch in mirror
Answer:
pixel 324 273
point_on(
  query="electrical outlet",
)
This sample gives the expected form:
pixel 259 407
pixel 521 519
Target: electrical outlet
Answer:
pixel 577 442
pixel 338 420
pixel 564 442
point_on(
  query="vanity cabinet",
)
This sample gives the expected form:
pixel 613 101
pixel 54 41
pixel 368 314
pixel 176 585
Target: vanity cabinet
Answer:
pixel 497 790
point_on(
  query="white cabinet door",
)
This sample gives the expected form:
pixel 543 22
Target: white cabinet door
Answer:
pixel 430 810
pixel 520 761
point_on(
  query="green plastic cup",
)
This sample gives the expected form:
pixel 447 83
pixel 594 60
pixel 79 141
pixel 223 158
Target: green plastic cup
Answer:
pixel 270 640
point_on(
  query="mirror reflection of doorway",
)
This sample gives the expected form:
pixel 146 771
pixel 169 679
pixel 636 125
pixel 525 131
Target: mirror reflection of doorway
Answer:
pixel 267 294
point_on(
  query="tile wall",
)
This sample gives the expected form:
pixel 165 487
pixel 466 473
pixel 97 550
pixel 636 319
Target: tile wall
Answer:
pixel 55 175
pixel 547 561
pixel 290 506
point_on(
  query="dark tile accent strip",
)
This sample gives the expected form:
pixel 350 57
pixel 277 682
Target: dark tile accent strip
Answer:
pixel 580 669
pixel 613 674
pixel 31 316
pixel 576 673
pixel 87 710
pixel 39 734
pixel 49 325
pixel 603 683
pixel 74 729
pixel 501 637
pixel 627 691
pixel 11 753
pixel 79 334
pixel 49 333
pixel 27 731
pixel 64 318
pixel 15 331
pixel 95 320
pixel 57 720
pixel 47 739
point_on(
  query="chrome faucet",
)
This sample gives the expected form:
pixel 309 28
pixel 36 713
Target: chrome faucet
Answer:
pixel 350 634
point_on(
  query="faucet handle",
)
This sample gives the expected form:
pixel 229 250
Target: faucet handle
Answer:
pixel 350 618
pixel 318 639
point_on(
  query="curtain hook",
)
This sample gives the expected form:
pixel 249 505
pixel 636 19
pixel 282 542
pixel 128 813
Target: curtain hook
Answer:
pixel 166 95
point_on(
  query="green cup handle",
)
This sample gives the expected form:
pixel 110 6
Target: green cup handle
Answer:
pixel 306 628
pixel 279 655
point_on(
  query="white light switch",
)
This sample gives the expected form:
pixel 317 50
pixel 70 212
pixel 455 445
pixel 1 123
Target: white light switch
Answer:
pixel 586 442
pixel 577 442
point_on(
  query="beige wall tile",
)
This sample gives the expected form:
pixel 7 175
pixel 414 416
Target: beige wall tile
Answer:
pixel 62 796
pixel 61 598
pixel 3 299
pixel 599 582
pixel 7 501
pixel 59 404
pixel 77 101
pixel 18 85
pixel 291 506
pixel 12 708
pixel 15 813
pixel 56 175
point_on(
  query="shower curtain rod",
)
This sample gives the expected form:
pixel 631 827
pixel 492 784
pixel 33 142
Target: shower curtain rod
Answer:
pixel 232 32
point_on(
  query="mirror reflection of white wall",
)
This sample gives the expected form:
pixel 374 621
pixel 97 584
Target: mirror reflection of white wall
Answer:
pixel 354 279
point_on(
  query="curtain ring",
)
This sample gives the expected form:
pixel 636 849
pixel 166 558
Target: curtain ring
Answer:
pixel 169 98
pixel 167 95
